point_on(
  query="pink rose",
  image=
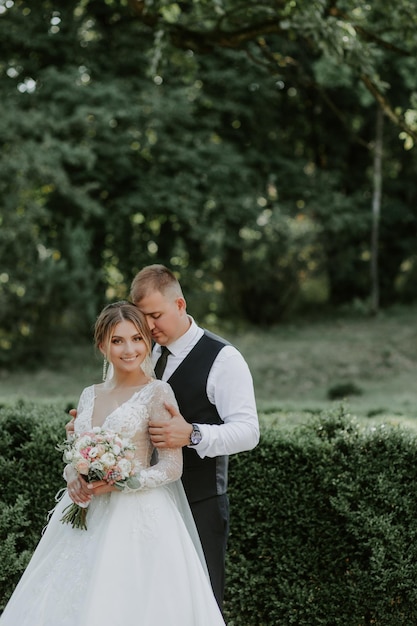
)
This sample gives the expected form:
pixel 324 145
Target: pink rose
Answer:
pixel 82 466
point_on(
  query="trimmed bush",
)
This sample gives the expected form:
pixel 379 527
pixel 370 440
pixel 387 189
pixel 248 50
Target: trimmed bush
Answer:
pixel 341 391
pixel 31 475
pixel 323 518
pixel 324 523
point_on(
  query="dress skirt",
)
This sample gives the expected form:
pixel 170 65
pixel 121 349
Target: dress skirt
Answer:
pixel 135 565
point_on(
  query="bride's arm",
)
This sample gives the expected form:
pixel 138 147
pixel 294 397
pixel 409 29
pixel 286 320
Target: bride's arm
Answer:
pixel 76 485
pixel 169 465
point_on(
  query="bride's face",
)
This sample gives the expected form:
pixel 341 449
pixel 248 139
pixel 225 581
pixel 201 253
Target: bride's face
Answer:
pixel 126 349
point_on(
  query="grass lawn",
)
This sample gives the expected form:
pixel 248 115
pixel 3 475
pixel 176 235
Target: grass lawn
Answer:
pixel 293 365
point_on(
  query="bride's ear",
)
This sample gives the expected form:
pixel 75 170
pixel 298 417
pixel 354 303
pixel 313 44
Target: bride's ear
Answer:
pixel 102 350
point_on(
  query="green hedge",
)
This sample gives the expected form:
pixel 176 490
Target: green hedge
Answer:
pixel 31 475
pixel 323 518
pixel 324 524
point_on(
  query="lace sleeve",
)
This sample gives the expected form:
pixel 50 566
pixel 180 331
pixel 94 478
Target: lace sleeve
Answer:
pixel 169 464
pixel 83 401
pixel 70 473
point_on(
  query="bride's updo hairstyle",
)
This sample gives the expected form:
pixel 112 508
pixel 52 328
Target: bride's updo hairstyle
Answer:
pixel 117 312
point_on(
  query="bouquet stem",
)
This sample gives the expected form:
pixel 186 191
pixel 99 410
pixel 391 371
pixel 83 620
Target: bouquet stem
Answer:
pixel 75 515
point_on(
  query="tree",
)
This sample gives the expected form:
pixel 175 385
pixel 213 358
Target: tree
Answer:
pixel 238 154
pixel 369 44
pixel 376 211
pixel 352 33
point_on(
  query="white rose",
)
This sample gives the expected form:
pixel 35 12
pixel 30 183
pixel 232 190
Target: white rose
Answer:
pixel 82 442
pixel 68 456
pixel 108 459
pixel 93 452
pixel 125 467
pixel 116 449
pixel 97 465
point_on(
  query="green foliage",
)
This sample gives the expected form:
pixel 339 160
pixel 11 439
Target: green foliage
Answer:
pixel 247 170
pixel 14 551
pixel 323 527
pixel 340 391
pixel 31 471
pixel 357 36
pixel 322 519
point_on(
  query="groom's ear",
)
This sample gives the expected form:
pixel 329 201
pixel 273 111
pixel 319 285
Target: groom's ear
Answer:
pixel 181 304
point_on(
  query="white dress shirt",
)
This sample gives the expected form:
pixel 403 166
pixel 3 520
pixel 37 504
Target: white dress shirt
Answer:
pixel 229 388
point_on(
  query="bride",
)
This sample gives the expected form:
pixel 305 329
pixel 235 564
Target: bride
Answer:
pixel 139 562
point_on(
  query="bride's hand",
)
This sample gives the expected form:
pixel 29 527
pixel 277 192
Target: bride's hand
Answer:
pixel 100 487
pixel 77 487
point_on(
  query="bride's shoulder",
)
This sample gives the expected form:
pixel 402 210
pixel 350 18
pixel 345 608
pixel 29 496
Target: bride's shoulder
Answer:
pixel 157 383
pixel 86 397
pixel 163 390
pixel 87 391
pixel 158 387
pixel 160 384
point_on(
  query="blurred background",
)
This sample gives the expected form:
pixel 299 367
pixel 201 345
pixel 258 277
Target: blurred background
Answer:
pixel 265 152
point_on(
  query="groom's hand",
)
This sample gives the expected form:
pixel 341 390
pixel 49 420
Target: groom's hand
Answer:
pixel 69 426
pixel 174 433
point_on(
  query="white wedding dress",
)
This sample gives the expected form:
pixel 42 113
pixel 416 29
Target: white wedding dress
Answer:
pixel 139 562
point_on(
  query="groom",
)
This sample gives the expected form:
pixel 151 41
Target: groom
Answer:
pixel 217 411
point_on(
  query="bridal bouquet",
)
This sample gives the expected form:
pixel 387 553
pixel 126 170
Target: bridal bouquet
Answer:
pixel 97 455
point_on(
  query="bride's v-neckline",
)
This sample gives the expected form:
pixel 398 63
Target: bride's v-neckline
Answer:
pixel 118 406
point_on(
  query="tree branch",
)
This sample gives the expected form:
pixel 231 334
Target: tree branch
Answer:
pixel 386 106
pixel 368 36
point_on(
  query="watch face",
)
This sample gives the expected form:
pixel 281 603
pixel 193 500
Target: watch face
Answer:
pixel 195 436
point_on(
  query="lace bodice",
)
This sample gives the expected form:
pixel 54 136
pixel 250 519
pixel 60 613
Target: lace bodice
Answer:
pixel 131 419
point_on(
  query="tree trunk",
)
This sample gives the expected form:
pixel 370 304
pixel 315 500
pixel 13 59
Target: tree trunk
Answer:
pixel 376 210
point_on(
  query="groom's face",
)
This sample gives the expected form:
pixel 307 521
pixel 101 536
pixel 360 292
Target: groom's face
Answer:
pixel 166 316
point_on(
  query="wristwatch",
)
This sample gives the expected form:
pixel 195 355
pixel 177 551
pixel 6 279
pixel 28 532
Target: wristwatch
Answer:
pixel 195 436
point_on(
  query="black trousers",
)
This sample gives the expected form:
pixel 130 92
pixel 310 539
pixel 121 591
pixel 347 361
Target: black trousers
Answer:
pixel 212 520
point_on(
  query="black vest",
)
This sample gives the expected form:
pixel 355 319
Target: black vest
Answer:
pixel 202 478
